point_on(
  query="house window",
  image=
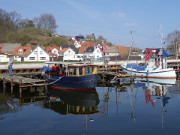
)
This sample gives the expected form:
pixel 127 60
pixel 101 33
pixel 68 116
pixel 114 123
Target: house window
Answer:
pixel 20 51
pixel 41 52
pixel 35 52
pixel 31 58
pixel 42 58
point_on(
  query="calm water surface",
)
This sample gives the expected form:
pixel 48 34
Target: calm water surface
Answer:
pixel 142 108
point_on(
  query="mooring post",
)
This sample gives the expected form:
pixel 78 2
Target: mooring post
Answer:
pixel 45 87
pixel 4 84
pixel 20 88
pixel 12 86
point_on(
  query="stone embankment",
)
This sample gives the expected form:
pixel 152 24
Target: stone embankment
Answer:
pixel 23 66
pixel 170 62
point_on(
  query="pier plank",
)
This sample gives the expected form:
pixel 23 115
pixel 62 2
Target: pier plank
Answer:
pixel 17 78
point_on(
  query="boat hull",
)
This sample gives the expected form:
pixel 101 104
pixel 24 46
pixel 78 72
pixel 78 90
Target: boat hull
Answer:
pixel 158 74
pixel 75 83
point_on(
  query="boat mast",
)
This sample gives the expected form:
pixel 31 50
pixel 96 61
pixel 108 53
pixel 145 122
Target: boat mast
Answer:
pixel 162 42
pixel 132 33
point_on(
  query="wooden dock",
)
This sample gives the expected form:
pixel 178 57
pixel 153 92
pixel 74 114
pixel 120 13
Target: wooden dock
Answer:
pixel 23 82
pixel 113 74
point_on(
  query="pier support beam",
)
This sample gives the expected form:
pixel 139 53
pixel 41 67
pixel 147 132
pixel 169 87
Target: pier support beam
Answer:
pixel 20 88
pixel 4 84
pixel 12 86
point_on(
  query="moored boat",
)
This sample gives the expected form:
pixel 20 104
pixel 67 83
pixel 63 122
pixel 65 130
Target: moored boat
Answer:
pixel 71 76
pixel 155 67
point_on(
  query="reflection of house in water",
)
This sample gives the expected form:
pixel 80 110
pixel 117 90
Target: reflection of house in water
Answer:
pixel 73 102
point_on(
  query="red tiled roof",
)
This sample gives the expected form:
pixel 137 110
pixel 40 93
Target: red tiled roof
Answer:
pixel 49 49
pixel 63 50
pixel 86 45
pixel 123 50
pixel 25 50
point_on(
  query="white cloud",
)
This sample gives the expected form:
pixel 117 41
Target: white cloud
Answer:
pixel 84 9
pixel 119 15
pixel 131 24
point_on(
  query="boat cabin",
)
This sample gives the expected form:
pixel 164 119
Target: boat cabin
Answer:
pixel 71 69
pixel 157 62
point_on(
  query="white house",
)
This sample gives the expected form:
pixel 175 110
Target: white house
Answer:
pixel 4 57
pixel 38 54
pixel 21 52
pixel 93 52
pixel 111 51
pixel 70 54
pixel 53 53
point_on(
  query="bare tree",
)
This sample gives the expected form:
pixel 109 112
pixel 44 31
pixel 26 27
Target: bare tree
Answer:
pixel 173 42
pixel 9 21
pixel 46 22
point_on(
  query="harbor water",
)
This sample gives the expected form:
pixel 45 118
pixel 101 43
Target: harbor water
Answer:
pixel 144 107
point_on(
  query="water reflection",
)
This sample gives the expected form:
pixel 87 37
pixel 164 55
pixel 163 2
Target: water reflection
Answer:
pixel 147 103
pixel 83 103
pixel 156 90
pixel 73 102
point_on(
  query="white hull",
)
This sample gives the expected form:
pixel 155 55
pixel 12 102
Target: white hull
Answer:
pixel 157 81
pixel 168 73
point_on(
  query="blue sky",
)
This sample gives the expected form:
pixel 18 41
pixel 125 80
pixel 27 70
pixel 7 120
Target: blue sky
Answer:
pixel 112 19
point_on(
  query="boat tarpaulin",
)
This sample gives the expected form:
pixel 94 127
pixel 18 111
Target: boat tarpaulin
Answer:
pixel 136 66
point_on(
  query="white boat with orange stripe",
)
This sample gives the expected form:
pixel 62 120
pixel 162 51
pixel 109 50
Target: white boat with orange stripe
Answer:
pixel 154 68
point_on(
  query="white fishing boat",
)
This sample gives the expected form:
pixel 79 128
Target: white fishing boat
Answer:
pixel 153 68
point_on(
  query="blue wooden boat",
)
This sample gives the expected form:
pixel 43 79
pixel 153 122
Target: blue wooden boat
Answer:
pixel 72 76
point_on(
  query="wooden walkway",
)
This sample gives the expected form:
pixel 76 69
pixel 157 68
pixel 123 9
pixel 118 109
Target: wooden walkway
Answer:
pixel 113 74
pixel 23 82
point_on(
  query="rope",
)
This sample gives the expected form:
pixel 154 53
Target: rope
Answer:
pixel 53 81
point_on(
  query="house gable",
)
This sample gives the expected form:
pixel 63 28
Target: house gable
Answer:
pixel 69 51
pixel 38 54
pixel 52 50
pixel 22 51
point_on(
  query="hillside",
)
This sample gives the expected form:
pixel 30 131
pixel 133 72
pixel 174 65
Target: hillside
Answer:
pixel 32 36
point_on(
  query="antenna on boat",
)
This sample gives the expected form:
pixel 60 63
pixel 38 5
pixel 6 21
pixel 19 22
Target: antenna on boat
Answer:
pixel 132 33
pixel 161 37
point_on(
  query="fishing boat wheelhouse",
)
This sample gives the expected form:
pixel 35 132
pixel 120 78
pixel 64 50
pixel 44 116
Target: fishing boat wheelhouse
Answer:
pixel 72 76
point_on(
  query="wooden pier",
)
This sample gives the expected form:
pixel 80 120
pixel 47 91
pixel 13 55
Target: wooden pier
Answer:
pixel 113 74
pixel 23 82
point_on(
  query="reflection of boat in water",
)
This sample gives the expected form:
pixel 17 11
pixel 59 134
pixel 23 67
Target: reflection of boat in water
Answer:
pixel 155 86
pixel 73 102
pixel 155 92
pixel 159 81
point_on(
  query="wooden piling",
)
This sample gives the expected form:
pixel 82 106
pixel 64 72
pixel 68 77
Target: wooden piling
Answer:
pixel 20 88
pixel 12 86
pixel 4 84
